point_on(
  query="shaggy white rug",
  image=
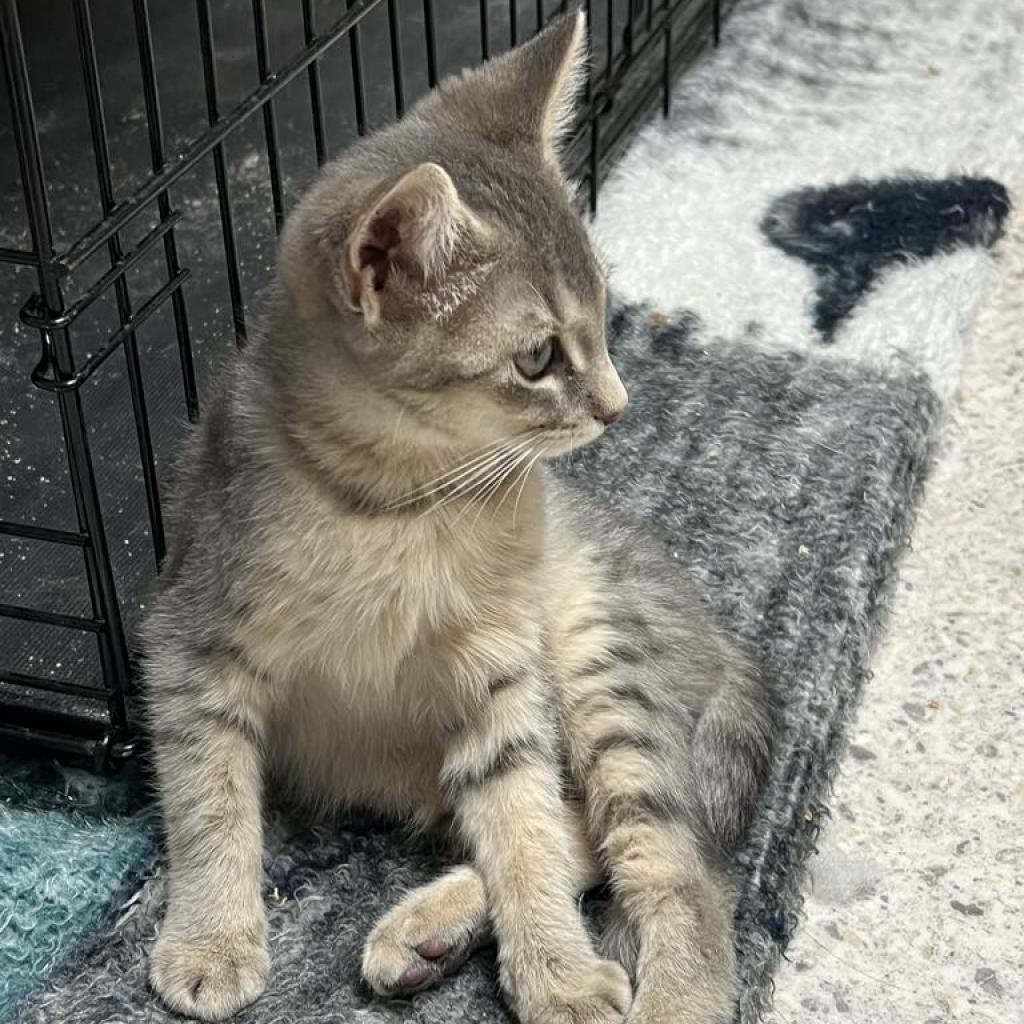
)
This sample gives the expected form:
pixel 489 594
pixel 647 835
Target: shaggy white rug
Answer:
pixel 829 152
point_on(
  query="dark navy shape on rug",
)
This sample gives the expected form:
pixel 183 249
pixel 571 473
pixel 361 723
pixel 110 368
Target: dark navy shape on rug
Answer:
pixel 850 233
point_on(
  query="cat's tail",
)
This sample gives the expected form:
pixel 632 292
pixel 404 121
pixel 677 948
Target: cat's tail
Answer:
pixel 732 750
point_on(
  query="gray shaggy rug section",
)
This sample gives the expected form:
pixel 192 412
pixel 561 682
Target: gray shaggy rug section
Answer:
pixel 786 485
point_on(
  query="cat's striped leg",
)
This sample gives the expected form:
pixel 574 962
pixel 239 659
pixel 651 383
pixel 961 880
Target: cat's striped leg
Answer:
pixel 436 927
pixel 676 912
pixel 503 780
pixel 211 957
pixel 674 905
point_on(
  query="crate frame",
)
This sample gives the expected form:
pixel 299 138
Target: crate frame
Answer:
pixel 660 38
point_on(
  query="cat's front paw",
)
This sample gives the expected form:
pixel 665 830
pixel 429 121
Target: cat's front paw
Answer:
pixel 208 976
pixel 599 994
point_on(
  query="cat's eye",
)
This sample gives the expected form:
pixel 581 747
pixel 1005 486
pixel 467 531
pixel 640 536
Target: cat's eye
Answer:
pixel 534 363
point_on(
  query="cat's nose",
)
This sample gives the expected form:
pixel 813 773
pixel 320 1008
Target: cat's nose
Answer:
pixel 608 412
pixel 608 397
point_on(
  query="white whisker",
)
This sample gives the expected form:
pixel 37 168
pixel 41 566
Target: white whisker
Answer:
pixel 398 424
pixel 472 487
pixel 493 450
pixel 506 472
pixel 477 487
pixel 522 483
pixel 512 487
pixel 481 474
pixel 476 455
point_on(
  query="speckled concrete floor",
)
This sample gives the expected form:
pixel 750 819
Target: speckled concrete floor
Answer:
pixel 915 910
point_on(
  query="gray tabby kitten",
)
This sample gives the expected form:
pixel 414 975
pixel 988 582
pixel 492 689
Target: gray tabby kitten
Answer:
pixel 379 597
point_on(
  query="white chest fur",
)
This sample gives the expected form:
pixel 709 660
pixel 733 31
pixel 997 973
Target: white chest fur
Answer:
pixel 381 630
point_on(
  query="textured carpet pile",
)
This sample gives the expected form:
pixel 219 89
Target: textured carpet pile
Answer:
pixel 820 212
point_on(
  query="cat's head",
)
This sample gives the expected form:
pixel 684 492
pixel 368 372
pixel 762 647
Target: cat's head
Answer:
pixel 447 252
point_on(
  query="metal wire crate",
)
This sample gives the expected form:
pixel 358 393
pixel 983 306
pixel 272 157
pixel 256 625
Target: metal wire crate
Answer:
pixel 153 148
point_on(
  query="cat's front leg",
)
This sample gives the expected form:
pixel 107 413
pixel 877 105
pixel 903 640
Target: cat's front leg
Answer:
pixel 501 773
pixel 436 927
pixel 211 957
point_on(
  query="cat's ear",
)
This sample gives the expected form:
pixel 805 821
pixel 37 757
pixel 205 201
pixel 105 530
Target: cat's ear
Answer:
pixel 405 241
pixel 526 96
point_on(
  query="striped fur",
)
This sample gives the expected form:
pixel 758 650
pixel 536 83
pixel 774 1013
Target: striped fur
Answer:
pixel 378 596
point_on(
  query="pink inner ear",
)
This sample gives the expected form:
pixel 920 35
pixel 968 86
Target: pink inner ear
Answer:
pixel 380 250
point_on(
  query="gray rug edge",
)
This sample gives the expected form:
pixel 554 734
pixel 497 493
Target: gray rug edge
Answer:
pixel 762 940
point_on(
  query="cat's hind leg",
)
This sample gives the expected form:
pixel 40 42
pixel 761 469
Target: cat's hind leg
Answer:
pixel 672 926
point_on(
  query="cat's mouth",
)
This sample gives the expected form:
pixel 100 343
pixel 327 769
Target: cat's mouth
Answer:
pixel 562 440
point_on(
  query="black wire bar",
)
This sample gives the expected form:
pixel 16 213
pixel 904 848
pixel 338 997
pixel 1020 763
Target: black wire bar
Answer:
pixel 101 155
pixel 397 61
pixel 259 17
pixel 430 38
pixel 316 91
pixel 220 171
pixel 358 82
pixel 154 122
